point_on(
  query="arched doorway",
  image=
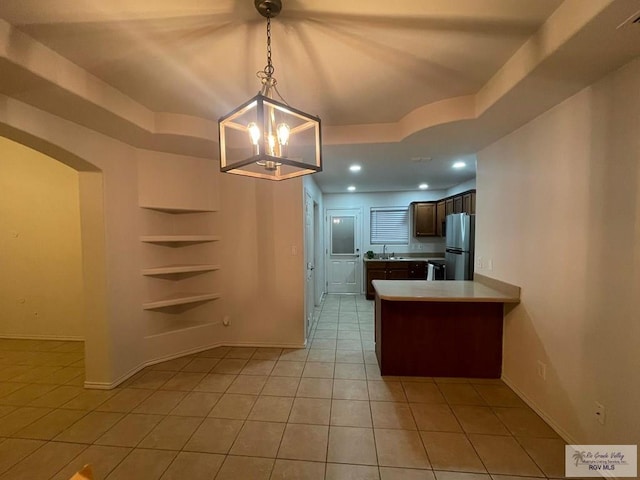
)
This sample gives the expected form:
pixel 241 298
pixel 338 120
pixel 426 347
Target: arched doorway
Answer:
pixel 38 288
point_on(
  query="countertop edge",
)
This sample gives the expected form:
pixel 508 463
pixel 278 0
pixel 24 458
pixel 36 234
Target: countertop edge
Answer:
pixel 508 289
pixel 391 298
pixel 403 259
pixel 500 296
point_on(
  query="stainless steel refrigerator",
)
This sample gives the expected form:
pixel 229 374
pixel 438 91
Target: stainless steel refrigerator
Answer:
pixel 460 239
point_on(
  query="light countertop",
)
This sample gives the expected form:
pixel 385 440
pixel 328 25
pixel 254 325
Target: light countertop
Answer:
pixel 444 291
pixel 403 259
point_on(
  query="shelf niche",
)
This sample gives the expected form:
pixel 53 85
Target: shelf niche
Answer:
pixel 168 239
pixel 178 210
pixel 179 299
pixel 176 269
pixel 166 268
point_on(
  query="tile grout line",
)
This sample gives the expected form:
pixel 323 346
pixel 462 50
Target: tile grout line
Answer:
pixel 341 324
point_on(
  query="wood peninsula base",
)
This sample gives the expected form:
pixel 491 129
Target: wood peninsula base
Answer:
pixel 439 339
pixel 440 328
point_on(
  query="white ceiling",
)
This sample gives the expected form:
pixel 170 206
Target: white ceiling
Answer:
pixel 353 66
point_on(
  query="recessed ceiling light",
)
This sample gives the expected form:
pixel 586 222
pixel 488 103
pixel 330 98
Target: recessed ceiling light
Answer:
pixel 459 165
pixel 355 168
pixel 423 186
pixel 351 188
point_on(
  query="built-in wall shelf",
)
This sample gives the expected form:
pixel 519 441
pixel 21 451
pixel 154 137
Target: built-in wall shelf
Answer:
pixel 179 238
pixel 178 210
pixel 180 299
pixel 171 269
pixel 187 248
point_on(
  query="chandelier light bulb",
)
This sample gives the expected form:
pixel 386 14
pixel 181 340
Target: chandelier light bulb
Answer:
pixel 283 133
pixel 271 139
pixel 254 133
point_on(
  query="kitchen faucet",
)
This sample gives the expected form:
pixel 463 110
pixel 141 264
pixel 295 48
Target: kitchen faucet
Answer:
pixel 384 252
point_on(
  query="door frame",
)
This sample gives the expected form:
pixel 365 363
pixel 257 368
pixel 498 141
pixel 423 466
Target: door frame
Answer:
pixel 359 230
pixel 310 276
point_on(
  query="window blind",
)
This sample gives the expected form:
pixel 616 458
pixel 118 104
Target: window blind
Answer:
pixel 389 225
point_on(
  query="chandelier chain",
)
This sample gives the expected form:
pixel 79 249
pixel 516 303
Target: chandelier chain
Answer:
pixel 269 83
pixel 269 68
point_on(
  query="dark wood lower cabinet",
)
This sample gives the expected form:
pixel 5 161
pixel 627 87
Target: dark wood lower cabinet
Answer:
pixel 374 273
pixel 439 339
pixel 395 270
pixel 417 270
pixel 397 274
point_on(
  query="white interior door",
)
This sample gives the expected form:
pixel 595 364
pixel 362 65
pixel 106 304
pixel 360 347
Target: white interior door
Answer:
pixel 309 254
pixel 344 267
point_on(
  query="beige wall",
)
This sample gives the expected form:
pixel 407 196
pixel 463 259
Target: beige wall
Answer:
pixel 261 279
pixel 262 260
pixel 559 215
pixel 41 291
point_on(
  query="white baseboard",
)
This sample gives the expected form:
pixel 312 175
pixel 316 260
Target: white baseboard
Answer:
pixel 133 371
pixel 115 383
pixel 264 345
pixel 60 338
pixel 566 436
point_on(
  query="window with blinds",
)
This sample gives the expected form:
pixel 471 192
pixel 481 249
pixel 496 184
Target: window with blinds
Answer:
pixel 389 226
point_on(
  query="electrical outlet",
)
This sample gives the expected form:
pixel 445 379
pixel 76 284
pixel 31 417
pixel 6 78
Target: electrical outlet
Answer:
pixel 601 413
pixel 490 264
pixel 479 263
pixel 542 370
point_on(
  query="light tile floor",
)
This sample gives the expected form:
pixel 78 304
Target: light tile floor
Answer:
pixel 245 413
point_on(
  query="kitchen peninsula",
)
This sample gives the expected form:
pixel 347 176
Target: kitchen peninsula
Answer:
pixel 441 328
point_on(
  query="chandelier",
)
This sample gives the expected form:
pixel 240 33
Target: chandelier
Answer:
pixel 265 137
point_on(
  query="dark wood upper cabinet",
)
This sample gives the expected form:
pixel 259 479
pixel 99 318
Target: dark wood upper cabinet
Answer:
pixel 457 204
pixel 469 202
pixel 448 206
pixel 430 218
pixel 424 219
pixel 441 210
